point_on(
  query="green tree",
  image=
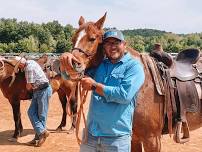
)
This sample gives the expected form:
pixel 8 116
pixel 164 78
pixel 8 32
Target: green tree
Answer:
pixel 63 46
pixel 28 44
pixel 55 28
pixel 3 47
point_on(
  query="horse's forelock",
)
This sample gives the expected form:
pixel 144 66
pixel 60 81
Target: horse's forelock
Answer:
pixel 88 29
pixel 79 33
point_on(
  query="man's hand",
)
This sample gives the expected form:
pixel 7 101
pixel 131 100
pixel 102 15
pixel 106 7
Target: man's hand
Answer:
pixel 67 60
pixel 29 86
pixel 87 83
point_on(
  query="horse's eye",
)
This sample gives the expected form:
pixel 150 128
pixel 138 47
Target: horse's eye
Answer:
pixel 92 39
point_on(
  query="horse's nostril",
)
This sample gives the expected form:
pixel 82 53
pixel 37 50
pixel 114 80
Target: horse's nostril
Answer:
pixel 79 64
pixel 77 67
pixel 76 64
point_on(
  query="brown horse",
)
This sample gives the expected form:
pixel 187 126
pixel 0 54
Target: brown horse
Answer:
pixel 17 91
pixel 66 89
pixel 149 113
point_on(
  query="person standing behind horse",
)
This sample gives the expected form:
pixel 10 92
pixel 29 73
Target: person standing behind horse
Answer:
pixel 115 84
pixel 42 91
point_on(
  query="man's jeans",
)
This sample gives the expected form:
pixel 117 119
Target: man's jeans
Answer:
pixel 107 144
pixel 38 109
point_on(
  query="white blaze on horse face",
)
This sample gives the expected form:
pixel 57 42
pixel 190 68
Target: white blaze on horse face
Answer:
pixel 81 35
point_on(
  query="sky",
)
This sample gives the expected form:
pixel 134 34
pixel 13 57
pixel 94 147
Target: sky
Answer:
pixel 177 16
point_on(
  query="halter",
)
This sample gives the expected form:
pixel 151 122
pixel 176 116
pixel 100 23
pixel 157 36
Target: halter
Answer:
pixel 76 66
pixel 88 55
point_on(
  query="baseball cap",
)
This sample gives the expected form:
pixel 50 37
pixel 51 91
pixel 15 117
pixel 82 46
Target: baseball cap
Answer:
pixel 114 33
pixel 20 59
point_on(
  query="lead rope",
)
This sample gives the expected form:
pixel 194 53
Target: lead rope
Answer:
pixel 2 68
pixel 82 98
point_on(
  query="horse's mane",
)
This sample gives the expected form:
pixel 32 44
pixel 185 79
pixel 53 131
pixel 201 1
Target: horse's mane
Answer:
pixel 134 52
pixel 9 62
pixel 99 56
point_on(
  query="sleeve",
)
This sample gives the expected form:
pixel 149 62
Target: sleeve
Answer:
pixel 29 75
pixel 129 87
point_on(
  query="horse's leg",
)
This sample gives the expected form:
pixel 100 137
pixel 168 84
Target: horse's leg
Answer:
pixel 152 144
pixel 73 106
pixel 63 101
pixel 136 145
pixel 17 118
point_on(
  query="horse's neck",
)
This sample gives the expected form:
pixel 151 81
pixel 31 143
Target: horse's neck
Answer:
pixel 10 62
pixel 98 57
pixel 7 70
pixel 133 52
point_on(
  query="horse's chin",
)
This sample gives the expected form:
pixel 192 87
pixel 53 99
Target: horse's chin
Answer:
pixel 77 71
pixel 76 76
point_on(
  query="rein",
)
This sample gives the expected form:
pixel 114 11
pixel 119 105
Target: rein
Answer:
pixel 2 69
pixel 14 71
pixel 83 98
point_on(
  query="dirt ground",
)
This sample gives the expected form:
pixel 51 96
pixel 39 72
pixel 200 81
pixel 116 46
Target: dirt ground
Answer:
pixel 63 142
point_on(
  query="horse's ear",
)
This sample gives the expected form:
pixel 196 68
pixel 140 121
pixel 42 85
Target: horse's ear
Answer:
pixel 81 21
pixel 101 21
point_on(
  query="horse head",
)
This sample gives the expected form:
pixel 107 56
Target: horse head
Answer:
pixel 86 43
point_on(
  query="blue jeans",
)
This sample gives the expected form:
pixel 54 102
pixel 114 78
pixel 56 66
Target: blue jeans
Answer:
pixel 38 109
pixel 107 144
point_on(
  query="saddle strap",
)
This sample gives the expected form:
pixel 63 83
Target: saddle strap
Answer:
pixel 171 91
pixel 156 75
pixel 170 107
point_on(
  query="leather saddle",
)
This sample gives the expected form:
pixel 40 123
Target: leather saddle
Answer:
pixel 182 68
pixel 181 94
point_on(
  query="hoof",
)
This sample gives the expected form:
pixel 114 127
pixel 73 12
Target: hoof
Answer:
pixel 12 139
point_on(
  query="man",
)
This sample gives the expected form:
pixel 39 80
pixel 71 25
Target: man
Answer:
pixel 37 81
pixel 160 55
pixel 115 84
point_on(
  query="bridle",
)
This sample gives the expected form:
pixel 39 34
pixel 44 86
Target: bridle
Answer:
pixel 76 66
pixel 88 55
